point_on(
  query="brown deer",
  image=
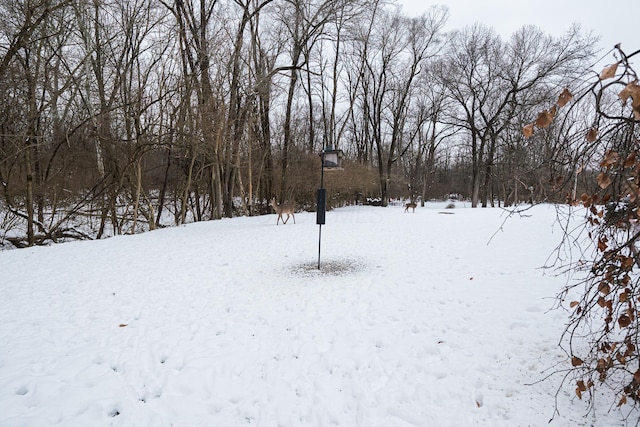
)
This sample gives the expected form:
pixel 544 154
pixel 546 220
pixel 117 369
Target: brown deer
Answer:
pixel 411 205
pixel 284 208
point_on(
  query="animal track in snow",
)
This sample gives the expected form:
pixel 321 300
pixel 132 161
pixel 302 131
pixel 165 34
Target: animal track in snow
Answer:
pixel 22 390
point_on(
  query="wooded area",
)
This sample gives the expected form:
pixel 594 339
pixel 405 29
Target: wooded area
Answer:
pixel 120 116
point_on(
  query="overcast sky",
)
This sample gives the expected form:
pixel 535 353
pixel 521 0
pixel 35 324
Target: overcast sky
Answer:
pixel 615 22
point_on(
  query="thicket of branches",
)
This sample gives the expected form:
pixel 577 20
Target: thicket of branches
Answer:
pixel 119 116
pixel 602 337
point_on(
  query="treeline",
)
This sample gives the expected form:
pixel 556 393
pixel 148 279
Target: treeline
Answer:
pixel 118 116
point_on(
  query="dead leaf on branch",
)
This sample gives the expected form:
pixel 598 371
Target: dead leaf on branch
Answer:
pixel 603 287
pixel 623 297
pixel 627 263
pixel 623 401
pixel 564 98
pixel 528 130
pixel 576 361
pixel 544 119
pixel 586 200
pixel 602 365
pixel 624 321
pixel 610 159
pixel 632 90
pixel 630 161
pixel 604 180
pixel 609 72
pixel 592 135
pixel 628 91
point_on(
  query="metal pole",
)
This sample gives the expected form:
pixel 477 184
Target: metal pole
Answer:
pixel 321 186
pixel 319 243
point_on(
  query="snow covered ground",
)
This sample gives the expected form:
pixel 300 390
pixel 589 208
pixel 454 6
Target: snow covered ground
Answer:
pixel 433 318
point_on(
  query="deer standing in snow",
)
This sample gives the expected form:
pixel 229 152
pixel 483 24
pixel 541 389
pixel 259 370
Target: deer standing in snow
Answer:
pixel 284 208
pixel 411 205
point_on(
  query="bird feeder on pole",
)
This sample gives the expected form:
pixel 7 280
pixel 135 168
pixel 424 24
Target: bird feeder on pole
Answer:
pixel 331 159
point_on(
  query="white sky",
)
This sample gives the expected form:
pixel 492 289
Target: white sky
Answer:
pixel 606 19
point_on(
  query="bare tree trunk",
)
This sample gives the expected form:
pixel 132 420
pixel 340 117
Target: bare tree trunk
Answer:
pixel 136 203
pixel 430 164
pixel 29 195
pixel 488 174
pixel 293 78
pixel 163 189
pixel 186 192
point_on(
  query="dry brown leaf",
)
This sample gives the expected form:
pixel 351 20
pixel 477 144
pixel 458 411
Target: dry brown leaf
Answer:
pixel 573 304
pixel 576 361
pixel 632 90
pixel 604 180
pixel 564 97
pixel 624 321
pixel 610 159
pixel 628 91
pixel 544 119
pixel 623 401
pixel 592 135
pixel 609 72
pixel 623 297
pixel 122 325
pixel 528 130
pixel 630 161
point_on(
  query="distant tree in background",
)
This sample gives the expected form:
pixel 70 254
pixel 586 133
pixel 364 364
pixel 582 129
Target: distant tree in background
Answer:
pixel 120 117
pixel 493 83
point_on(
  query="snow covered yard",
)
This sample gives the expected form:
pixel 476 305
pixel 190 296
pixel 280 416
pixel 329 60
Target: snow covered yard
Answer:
pixel 415 319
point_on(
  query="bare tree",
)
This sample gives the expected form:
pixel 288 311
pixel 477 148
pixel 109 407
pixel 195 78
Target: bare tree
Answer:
pixel 488 80
pixel 41 31
pixel 431 108
pixel 21 23
pixel 305 22
pixel 396 54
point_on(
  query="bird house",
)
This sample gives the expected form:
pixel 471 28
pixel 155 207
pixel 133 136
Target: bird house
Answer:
pixel 331 158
